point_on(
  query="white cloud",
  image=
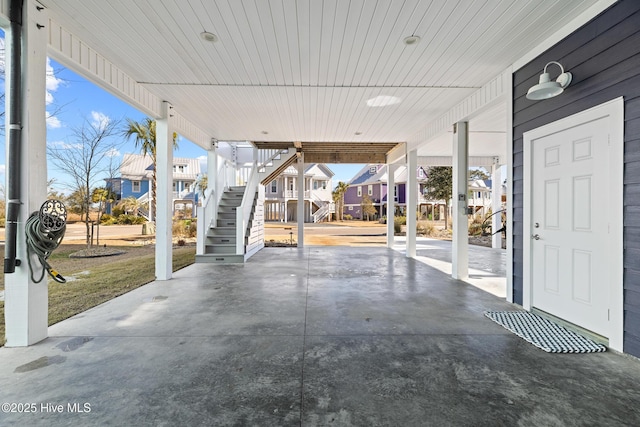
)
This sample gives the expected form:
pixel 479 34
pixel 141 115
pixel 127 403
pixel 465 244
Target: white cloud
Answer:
pixel 52 81
pixel 2 169
pixel 64 145
pixel 112 152
pixel 100 120
pixel 53 122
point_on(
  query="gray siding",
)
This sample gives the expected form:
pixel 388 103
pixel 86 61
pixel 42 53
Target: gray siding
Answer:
pixel 604 58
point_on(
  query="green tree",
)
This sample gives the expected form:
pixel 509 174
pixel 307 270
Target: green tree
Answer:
pixel 478 174
pixel 101 196
pixel 74 202
pixel 338 198
pixel 131 205
pixel 438 186
pixel 367 207
pixel 145 139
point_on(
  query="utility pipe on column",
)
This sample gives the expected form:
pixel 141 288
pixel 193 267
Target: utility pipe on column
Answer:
pixel 15 136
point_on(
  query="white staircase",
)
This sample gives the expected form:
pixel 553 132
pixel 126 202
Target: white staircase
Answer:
pixel 231 226
pixel 220 244
pixel 323 211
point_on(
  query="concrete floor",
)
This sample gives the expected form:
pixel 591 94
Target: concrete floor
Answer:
pixel 314 336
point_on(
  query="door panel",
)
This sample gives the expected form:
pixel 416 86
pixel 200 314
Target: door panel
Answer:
pixel 569 227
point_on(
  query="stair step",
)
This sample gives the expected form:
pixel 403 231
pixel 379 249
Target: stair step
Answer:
pixel 226 215
pixel 220 259
pixel 225 249
pixel 222 231
pixel 216 240
pixel 226 222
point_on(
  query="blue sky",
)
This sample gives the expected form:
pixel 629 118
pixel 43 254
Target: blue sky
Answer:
pixel 73 99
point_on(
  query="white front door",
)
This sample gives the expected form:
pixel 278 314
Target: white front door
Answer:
pixel 569 230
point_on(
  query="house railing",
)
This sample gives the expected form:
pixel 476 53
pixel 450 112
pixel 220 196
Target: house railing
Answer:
pixel 293 194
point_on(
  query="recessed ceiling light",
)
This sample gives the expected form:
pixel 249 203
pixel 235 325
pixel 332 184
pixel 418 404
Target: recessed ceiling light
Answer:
pixel 358 133
pixel 210 37
pixel 411 40
pixel 264 132
pixel 383 101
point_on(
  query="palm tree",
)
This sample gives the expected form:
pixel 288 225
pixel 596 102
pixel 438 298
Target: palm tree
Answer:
pixel 131 205
pixel 145 134
pixel 202 182
pixel 341 188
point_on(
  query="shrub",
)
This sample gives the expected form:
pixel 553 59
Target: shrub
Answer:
pixel 185 228
pixel 398 222
pixel 347 217
pixel 104 218
pixel 425 228
pixel 125 219
pixel 117 211
pixel 475 227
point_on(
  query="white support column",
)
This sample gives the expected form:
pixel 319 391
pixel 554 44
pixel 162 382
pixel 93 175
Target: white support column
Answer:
pixel 496 205
pixel 164 177
pixel 301 200
pixel 460 247
pixel 391 205
pixel 412 201
pixel 212 177
pixel 26 302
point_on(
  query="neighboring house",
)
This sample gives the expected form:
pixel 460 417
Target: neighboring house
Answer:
pixel 136 174
pixel 281 195
pixel 371 181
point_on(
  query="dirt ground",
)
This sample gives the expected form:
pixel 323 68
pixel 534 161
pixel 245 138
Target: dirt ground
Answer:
pixel 346 233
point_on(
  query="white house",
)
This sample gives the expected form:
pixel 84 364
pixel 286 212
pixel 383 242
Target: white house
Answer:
pixel 281 195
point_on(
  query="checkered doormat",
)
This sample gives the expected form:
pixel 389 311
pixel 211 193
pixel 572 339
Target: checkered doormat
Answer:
pixel 543 333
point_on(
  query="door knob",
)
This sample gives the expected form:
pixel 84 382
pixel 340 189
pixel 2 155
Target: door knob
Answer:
pixel 536 237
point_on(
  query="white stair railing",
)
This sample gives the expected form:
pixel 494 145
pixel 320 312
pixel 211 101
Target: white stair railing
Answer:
pixel 205 214
pixel 243 212
pixel 266 157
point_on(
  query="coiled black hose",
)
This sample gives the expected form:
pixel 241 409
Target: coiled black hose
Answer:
pixel 42 241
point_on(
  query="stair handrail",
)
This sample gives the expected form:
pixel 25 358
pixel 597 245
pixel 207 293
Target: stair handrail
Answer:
pixel 205 215
pixel 243 212
pixel 268 156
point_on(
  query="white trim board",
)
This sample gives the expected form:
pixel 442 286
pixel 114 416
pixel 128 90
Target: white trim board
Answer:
pixel 614 110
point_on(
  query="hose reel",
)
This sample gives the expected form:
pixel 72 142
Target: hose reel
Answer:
pixel 45 230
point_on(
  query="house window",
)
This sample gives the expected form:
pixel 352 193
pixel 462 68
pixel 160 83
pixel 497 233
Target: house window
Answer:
pixel 135 186
pixel 324 185
pixel 315 185
pixel 370 190
pixel 180 168
pixel 274 186
pixel 373 170
pixel 359 191
pixel 350 208
pixel 395 192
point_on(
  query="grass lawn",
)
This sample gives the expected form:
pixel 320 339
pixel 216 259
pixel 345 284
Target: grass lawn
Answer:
pixel 92 281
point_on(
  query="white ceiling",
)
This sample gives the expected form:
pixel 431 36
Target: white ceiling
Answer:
pixel 302 70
